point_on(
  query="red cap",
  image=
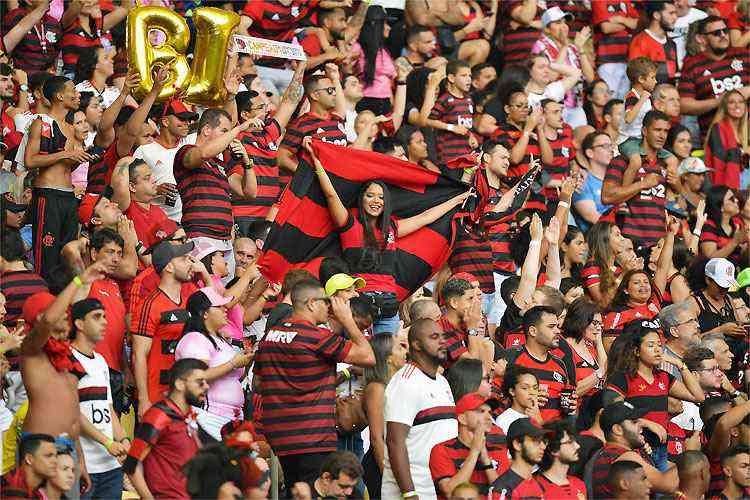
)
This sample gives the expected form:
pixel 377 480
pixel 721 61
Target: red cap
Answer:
pixel 472 401
pixel 161 230
pixel 463 276
pixel 86 208
pixel 180 110
pixel 36 305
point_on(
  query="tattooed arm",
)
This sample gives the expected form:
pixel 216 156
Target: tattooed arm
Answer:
pixel 292 96
pixel 354 26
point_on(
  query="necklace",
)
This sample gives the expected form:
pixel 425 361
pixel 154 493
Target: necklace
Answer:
pixel 42 35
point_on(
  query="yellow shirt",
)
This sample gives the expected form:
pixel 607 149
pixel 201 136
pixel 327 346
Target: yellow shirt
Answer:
pixel 11 436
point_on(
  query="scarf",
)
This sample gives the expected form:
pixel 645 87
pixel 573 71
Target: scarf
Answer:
pixel 60 355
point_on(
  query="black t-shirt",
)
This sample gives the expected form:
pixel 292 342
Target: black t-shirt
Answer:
pixel 511 322
pixel 589 446
pixel 279 313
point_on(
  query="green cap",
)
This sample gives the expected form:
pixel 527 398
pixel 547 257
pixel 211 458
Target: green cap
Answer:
pixel 342 281
pixel 743 279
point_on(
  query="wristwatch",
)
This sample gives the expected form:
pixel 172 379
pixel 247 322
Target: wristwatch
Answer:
pixel 23 88
pixel 473 332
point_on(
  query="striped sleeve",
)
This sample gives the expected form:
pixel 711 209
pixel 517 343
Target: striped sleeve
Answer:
pixel 146 435
pixel 142 322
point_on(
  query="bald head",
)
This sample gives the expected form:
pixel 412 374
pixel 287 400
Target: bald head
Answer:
pixel 424 309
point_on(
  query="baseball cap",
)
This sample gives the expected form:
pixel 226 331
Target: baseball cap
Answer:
pixel 214 297
pixel 472 401
pixel 722 272
pixel 180 110
pixel 692 165
pixel 342 281
pixel 524 427
pixel 88 204
pixel 618 412
pixel 163 253
pixel 204 248
pixel 552 15
pixel 36 305
pixel 80 309
pixel 743 279
pixel 8 202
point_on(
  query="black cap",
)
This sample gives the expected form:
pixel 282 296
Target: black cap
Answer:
pixel 524 427
pixel 80 309
pixel 618 412
pixel 8 202
pixel 164 252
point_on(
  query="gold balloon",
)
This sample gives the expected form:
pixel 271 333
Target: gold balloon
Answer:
pixel 213 28
pixel 145 58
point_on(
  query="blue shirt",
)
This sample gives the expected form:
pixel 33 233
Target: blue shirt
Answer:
pixel 592 190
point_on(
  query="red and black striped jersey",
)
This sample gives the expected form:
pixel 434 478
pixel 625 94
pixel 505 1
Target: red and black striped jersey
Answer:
pixel 603 460
pixel 328 129
pixel 510 134
pixel 100 172
pixel 500 235
pixel 276 21
pixel 517 40
pixel 456 111
pixel 651 396
pixel 579 10
pixel 161 320
pixel 715 233
pixel 455 341
pixel 472 253
pixel 616 319
pixel 206 202
pixel 76 40
pixel 165 440
pixel 15 487
pixel 17 286
pixel 612 47
pixel 663 54
pixel 724 155
pixel 37 51
pixel 447 458
pixel 551 374
pixel 296 363
pixel 539 487
pixel 646 218
pixel 581 368
pixel 563 150
pixel 379 277
pixel 705 78
pixel 263 147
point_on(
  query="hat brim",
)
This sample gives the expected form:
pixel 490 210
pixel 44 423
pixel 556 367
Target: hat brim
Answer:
pixel 186 115
pixel 15 207
pixel 221 302
pixel 184 249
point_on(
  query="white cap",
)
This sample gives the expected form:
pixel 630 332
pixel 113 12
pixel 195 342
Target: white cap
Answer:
pixel 553 14
pixel 692 165
pixel 722 272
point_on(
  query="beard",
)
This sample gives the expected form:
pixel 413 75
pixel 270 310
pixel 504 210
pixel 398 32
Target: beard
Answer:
pixel 528 458
pixel 194 399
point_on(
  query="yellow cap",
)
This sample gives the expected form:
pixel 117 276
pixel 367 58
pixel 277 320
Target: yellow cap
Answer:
pixel 342 281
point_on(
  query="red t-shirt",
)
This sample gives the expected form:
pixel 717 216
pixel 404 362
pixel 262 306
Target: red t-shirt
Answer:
pixel 643 394
pixel 447 458
pixel 111 346
pixel 538 486
pixel 143 219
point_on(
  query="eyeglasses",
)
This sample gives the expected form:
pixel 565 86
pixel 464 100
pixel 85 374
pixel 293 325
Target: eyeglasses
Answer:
pixel 181 239
pixel 329 90
pixel 714 369
pixel 606 145
pixel 691 320
pixel 719 32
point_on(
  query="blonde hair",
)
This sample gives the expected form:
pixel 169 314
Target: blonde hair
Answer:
pixel 721 114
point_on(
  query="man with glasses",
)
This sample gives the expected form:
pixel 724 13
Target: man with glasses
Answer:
pixel 599 150
pixel 718 69
pixel 167 437
pixel 295 375
pixel 527 442
pixel 254 174
pixel 682 333
pixel 324 121
pixel 552 479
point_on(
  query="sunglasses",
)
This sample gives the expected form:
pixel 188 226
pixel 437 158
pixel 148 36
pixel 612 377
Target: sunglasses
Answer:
pixel 719 32
pixel 329 90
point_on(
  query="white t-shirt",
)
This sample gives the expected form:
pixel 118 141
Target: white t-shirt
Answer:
pixel 161 161
pixel 23 122
pixel 508 417
pixel 426 405
pixel 108 95
pixel 679 34
pixel 633 129
pixel 95 398
pixel 554 91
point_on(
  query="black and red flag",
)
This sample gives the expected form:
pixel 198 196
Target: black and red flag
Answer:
pixel 303 232
pixel 724 155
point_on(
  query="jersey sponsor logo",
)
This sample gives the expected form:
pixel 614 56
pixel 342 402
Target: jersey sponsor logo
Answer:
pixel 557 376
pixel 295 11
pixel 275 17
pixel 721 85
pixel 736 65
pixel 466 121
pixel 100 416
pixel 565 151
pixel 280 336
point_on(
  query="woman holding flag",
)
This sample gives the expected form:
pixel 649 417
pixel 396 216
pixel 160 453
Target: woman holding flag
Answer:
pixel 368 239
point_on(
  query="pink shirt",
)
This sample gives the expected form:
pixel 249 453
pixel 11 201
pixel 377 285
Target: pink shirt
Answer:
pixel 385 72
pixel 235 314
pixel 225 396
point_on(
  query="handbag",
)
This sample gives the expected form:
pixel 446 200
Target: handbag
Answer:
pixel 350 416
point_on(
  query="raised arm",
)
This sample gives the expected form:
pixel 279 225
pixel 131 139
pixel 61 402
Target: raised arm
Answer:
pixel 105 131
pixel 132 130
pixel 292 96
pixel 530 268
pixel 198 154
pixel 339 213
pixel 332 72
pixel 14 35
pixel 665 257
pixel 408 226
pixel 361 353
pixel 551 235
pixel 121 183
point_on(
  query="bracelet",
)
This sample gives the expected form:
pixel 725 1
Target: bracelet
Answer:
pixel 563 204
pixel 409 494
pixel 109 444
pixel 400 82
pixel 451 127
pixel 319 170
pixel 697 233
pixel 78 282
pixel 484 467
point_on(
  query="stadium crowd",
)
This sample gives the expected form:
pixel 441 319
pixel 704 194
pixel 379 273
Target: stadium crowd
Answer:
pixel 467 249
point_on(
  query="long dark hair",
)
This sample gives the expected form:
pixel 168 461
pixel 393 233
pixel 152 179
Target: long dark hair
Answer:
pixel 197 305
pixel 570 235
pixel 672 135
pixel 624 358
pixel 371 252
pixel 588 105
pixel 580 315
pixel 715 202
pixel 465 377
pixel 371 39
pixel 416 83
pixel 621 297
